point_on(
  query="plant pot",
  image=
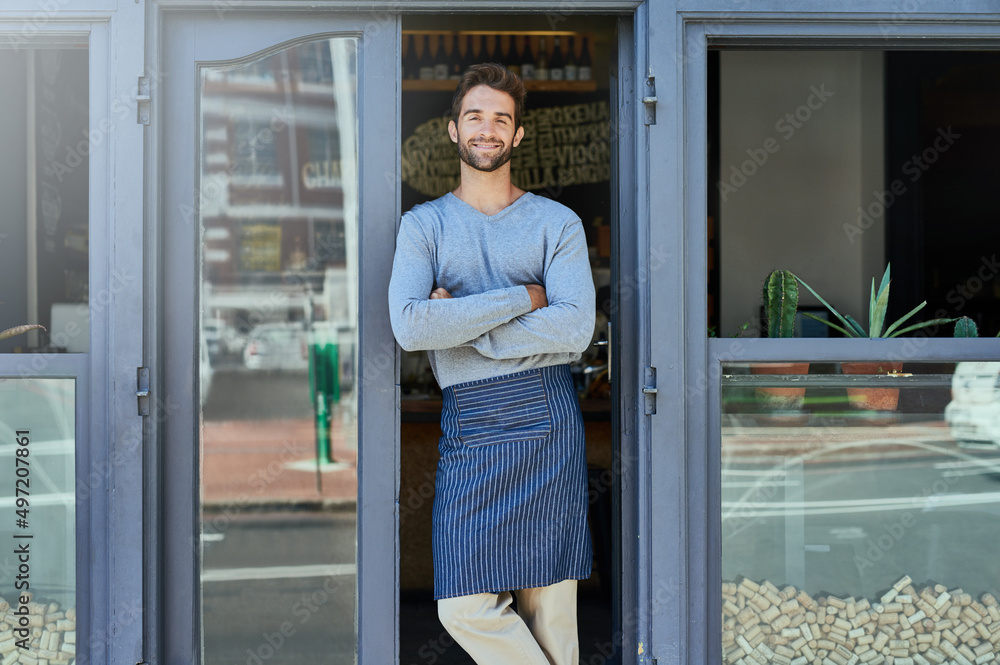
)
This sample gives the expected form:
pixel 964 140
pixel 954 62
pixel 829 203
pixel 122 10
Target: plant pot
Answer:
pixel 780 399
pixel 872 399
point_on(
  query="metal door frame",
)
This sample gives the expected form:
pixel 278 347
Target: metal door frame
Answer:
pixel 109 452
pixel 683 576
pixel 379 593
pixel 173 587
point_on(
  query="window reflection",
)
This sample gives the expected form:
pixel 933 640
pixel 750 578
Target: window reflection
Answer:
pixel 44 186
pixel 278 362
pixel 855 531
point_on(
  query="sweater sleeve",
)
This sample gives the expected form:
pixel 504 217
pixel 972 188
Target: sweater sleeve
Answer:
pixel 422 324
pixel 567 324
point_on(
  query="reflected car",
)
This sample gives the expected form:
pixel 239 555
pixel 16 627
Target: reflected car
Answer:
pixel 276 346
pixel 973 415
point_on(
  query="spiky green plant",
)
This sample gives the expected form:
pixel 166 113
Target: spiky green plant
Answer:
pixel 781 299
pixel 877 306
pixel 966 327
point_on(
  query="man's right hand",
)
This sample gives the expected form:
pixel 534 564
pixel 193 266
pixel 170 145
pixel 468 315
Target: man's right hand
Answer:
pixel 537 293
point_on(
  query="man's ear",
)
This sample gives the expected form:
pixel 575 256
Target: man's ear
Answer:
pixel 453 131
pixel 518 135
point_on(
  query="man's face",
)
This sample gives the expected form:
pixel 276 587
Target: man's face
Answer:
pixel 485 133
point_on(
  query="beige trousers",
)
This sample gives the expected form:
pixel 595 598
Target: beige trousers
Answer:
pixel 542 631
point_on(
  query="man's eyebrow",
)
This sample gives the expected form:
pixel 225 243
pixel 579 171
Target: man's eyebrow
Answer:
pixel 479 111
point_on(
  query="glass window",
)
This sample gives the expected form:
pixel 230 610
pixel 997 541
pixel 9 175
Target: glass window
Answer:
pixel 46 140
pixel 38 522
pixel 835 164
pixel 860 512
pixel 279 293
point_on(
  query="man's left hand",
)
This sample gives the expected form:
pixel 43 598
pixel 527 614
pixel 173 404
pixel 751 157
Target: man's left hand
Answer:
pixel 439 293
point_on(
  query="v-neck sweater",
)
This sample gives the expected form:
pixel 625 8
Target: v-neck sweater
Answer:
pixel 487 329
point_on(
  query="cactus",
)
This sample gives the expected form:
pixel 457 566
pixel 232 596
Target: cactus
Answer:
pixel 781 298
pixel 966 327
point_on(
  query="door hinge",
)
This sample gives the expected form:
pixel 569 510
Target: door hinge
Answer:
pixel 649 391
pixel 142 100
pixel 649 100
pixel 142 390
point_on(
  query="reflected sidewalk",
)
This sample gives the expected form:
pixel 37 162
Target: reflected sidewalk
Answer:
pixel 273 462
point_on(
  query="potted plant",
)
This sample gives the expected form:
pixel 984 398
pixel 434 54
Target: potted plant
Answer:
pixel 781 299
pixel 873 399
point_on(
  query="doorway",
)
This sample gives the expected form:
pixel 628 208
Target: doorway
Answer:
pixel 566 156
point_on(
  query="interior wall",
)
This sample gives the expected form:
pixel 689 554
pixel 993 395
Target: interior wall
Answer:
pixel 801 153
pixel 13 195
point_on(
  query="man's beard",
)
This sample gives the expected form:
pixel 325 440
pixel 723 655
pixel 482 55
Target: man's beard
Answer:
pixel 482 162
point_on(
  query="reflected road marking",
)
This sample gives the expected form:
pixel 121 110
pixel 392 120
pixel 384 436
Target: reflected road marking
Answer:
pixel 278 572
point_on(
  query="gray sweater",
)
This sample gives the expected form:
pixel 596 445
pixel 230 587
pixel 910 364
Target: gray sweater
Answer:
pixel 487 329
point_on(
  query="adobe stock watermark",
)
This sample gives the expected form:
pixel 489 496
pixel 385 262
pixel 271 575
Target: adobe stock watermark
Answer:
pixel 964 292
pixel 787 126
pixel 913 168
pixel 893 532
pixel 902 12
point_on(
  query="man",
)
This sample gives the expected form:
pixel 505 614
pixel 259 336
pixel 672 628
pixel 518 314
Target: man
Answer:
pixel 495 284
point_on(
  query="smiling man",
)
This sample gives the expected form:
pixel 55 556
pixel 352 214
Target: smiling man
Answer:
pixel 495 284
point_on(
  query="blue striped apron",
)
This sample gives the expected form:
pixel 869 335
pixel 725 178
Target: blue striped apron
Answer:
pixel 510 504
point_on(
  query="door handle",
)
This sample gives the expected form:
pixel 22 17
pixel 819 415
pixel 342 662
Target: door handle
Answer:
pixel 607 342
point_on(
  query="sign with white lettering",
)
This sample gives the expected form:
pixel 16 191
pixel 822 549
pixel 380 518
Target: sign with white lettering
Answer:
pixel 563 146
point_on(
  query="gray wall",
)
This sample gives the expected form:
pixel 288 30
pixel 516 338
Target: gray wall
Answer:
pixel 812 172
pixel 13 194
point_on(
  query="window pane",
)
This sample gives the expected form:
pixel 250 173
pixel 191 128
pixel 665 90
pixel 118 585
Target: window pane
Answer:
pixel 860 512
pixel 835 164
pixel 44 225
pixel 279 326
pixel 38 523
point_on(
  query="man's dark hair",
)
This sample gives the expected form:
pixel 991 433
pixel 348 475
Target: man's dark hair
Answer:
pixel 495 76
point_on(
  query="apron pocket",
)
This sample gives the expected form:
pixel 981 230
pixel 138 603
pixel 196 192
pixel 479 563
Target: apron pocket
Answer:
pixel 513 409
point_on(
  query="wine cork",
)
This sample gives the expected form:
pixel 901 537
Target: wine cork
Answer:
pixel 790 606
pixel 806 601
pixel 770 614
pixel 935 656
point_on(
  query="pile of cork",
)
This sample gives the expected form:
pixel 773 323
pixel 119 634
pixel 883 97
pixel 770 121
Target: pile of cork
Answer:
pixel 52 637
pixel 762 624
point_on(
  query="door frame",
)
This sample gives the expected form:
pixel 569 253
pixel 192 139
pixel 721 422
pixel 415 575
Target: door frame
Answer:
pixel 631 344
pixel 173 569
pixel 684 575
pixel 109 450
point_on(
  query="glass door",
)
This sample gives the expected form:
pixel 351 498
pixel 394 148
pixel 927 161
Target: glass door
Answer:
pixel 279 211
